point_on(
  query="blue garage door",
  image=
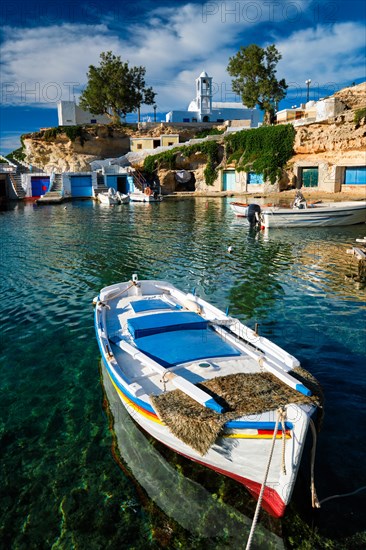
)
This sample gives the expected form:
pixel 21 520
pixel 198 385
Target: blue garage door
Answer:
pixel 228 181
pixel 355 175
pixel 81 186
pixel 40 185
pixel 255 179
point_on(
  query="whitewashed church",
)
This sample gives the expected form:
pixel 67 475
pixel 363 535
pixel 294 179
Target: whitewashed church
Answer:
pixel 203 109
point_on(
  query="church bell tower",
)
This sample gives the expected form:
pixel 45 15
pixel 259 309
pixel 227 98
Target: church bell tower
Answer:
pixel 204 96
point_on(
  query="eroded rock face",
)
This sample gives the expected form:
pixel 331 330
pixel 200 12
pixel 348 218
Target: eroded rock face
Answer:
pixel 61 154
pixel 353 97
pixel 100 141
pixel 336 135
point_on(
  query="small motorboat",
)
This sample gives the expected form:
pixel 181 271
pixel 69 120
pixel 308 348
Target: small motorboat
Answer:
pixel 207 386
pixel 147 195
pixel 112 197
pixel 302 213
pixel 109 198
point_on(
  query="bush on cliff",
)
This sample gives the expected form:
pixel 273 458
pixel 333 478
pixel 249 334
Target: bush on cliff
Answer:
pixel 263 150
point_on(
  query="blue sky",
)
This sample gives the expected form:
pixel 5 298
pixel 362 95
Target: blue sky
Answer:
pixel 47 46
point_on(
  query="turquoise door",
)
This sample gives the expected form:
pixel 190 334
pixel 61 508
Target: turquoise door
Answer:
pixel 81 186
pixel 355 175
pixel 310 177
pixel 229 181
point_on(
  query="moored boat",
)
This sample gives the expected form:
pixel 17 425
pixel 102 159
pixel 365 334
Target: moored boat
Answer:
pixel 206 385
pixel 147 195
pixel 109 198
pixel 112 197
pixel 304 214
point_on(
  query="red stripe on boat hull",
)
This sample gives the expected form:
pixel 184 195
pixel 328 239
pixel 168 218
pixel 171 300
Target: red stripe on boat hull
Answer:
pixel 271 503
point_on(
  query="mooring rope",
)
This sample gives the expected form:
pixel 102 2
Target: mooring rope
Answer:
pixel 281 415
pixel 120 292
pixel 314 499
pixel 344 494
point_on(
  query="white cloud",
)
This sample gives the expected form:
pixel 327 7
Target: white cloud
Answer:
pixel 175 44
pixel 329 55
pixel 9 142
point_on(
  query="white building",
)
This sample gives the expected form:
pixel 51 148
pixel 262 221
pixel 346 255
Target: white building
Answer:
pixel 312 111
pixel 203 109
pixel 70 114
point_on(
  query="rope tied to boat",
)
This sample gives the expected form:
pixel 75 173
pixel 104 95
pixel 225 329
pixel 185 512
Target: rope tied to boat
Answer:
pixel 165 379
pixel 134 283
pixel 281 415
pixel 314 499
pixel 261 362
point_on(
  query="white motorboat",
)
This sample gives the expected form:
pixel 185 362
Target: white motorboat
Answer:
pixel 303 214
pixel 109 198
pixel 147 195
pixel 206 385
pixel 112 197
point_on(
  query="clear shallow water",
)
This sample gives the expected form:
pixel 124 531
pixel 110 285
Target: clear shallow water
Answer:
pixel 61 487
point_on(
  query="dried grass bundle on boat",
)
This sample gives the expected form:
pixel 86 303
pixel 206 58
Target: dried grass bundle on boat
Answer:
pixel 240 395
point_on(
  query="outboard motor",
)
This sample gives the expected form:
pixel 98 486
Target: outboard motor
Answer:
pixel 300 201
pixel 254 211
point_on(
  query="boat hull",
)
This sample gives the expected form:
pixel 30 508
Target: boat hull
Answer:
pixel 315 217
pixel 243 455
pixel 107 200
pixel 333 214
pixel 142 197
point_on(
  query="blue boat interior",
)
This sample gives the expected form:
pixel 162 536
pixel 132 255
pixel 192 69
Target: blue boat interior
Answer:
pixel 178 337
pixel 140 306
pixel 148 325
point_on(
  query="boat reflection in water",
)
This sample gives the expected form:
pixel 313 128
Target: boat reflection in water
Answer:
pixel 185 501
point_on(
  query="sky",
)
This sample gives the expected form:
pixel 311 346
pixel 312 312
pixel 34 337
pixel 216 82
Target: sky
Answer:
pixel 47 47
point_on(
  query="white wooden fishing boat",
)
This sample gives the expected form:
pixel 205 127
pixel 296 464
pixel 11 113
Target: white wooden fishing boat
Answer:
pixel 320 214
pixel 156 340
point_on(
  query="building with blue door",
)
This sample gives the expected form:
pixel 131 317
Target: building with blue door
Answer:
pixel 242 182
pixel 39 185
pixel 79 185
pixel 346 175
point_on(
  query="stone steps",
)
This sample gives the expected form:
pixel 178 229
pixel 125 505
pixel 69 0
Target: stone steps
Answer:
pixel 16 180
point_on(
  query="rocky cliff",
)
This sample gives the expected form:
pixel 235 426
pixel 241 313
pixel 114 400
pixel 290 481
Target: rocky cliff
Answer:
pixel 53 149
pixel 339 138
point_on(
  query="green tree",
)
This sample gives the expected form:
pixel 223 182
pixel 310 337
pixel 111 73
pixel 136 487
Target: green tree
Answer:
pixel 144 96
pixel 115 89
pixel 254 72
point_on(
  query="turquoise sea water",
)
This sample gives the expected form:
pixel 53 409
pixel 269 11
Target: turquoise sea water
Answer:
pixel 61 487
